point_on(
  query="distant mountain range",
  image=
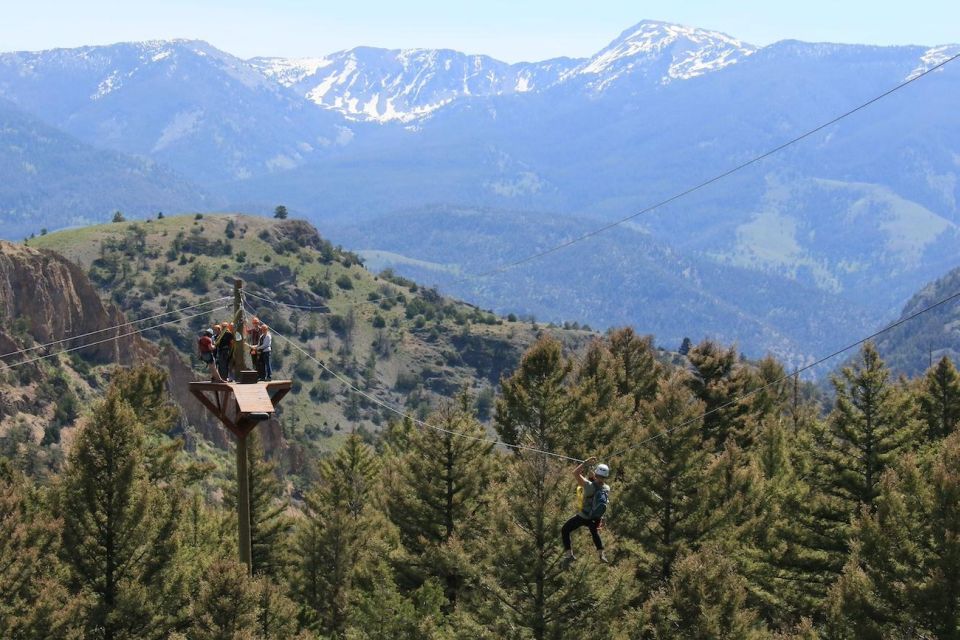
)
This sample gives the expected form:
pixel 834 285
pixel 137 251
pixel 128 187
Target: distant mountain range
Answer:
pixel 384 149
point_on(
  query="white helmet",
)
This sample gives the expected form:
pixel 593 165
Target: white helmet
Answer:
pixel 602 471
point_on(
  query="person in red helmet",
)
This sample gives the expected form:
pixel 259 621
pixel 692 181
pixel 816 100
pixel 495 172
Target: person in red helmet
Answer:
pixel 595 495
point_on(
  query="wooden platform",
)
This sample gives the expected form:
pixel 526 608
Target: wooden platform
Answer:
pixel 232 402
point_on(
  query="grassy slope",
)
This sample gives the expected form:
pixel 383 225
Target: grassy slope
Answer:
pixel 449 346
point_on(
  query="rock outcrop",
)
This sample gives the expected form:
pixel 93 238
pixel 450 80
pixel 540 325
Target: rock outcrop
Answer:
pixel 51 299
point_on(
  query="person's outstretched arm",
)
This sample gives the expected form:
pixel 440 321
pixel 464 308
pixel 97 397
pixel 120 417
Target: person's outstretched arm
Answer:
pixel 577 472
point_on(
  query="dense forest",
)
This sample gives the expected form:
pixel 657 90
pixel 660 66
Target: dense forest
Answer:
pixel 744 505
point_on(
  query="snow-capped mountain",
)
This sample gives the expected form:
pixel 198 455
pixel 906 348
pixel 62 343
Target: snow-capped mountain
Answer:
pixel 382 85
pixel 662 53
pixel 385 85
pixel 182 102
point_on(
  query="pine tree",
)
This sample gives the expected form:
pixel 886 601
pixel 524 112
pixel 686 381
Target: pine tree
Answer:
pixel 337 537
pixel 33 602
pixel 719 380
pixel 705 598
pixel 118 533
pixel 535 404
pixel 602 413
pixel 226 605
pixel 939 399
pixel 276 613
pixel 437 494
pixel 637 369
pixel 939 593
pixel 662 507
pixel 144 388
pixel 903 577
pixel 870 424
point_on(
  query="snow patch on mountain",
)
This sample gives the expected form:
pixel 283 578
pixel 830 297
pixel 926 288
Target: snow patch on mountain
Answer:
pixel 108 84
pixel 932 57
pixel 289 71
pixel 688 52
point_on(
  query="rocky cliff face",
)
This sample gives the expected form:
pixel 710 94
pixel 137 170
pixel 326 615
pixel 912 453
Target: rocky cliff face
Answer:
pixel 51 299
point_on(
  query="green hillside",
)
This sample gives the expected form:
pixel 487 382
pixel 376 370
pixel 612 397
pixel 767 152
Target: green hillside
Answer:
pixel 912 347
pixel 402 344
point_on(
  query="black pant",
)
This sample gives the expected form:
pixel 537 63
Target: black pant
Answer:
pixel 264 371
pixel 223 362
pixel 576 522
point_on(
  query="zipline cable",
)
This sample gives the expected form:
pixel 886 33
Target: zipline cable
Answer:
pixel 794 373
pixel 124 324
pixel 347 383
pixel 712 180
pixel 616 454
pixel 589 234
pixel 5 366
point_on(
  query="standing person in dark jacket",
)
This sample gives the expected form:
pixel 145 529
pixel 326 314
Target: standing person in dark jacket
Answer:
pixel 595 494
pixel 253 339
pixel 225 351
pixel 264 372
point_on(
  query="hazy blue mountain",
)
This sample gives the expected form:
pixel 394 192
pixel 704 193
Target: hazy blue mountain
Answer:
pixel 610 281
pixel 183 103
pixel 52 180
pixel 798 251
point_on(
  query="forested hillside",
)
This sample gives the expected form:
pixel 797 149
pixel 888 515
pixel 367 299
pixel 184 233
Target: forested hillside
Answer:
pixel 739 508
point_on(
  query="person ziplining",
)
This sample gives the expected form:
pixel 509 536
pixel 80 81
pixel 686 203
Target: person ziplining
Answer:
pixel 594 496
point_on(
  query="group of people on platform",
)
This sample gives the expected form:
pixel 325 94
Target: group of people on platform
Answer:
pixel 216 346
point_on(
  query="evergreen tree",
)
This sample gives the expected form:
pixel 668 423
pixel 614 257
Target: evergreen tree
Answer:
pixel 903 577
pixel 870 424
pixel 939 399
pixel 437 494
pixel 337 537
pixel 280 212
pixel 118 534
pixel 384 613
pixel 718 380
pixel 269 526
pixel 226 606
pixel 602 413
pixel 33 602
pixel 705 598
pixel 144 388
pixel 535 404
pixel 662 507
pixel 276 613
pixel 637 369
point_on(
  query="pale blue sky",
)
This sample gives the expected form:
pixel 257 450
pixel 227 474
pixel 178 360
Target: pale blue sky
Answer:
pixel 511 30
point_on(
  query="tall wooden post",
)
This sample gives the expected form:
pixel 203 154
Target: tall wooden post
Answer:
pixel 243 480
pixel 240 407
pixel 243 504
pixel 239 359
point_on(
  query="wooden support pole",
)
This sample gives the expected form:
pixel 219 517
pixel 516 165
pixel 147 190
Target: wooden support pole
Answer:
pixel 243 504
pixel 239 360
